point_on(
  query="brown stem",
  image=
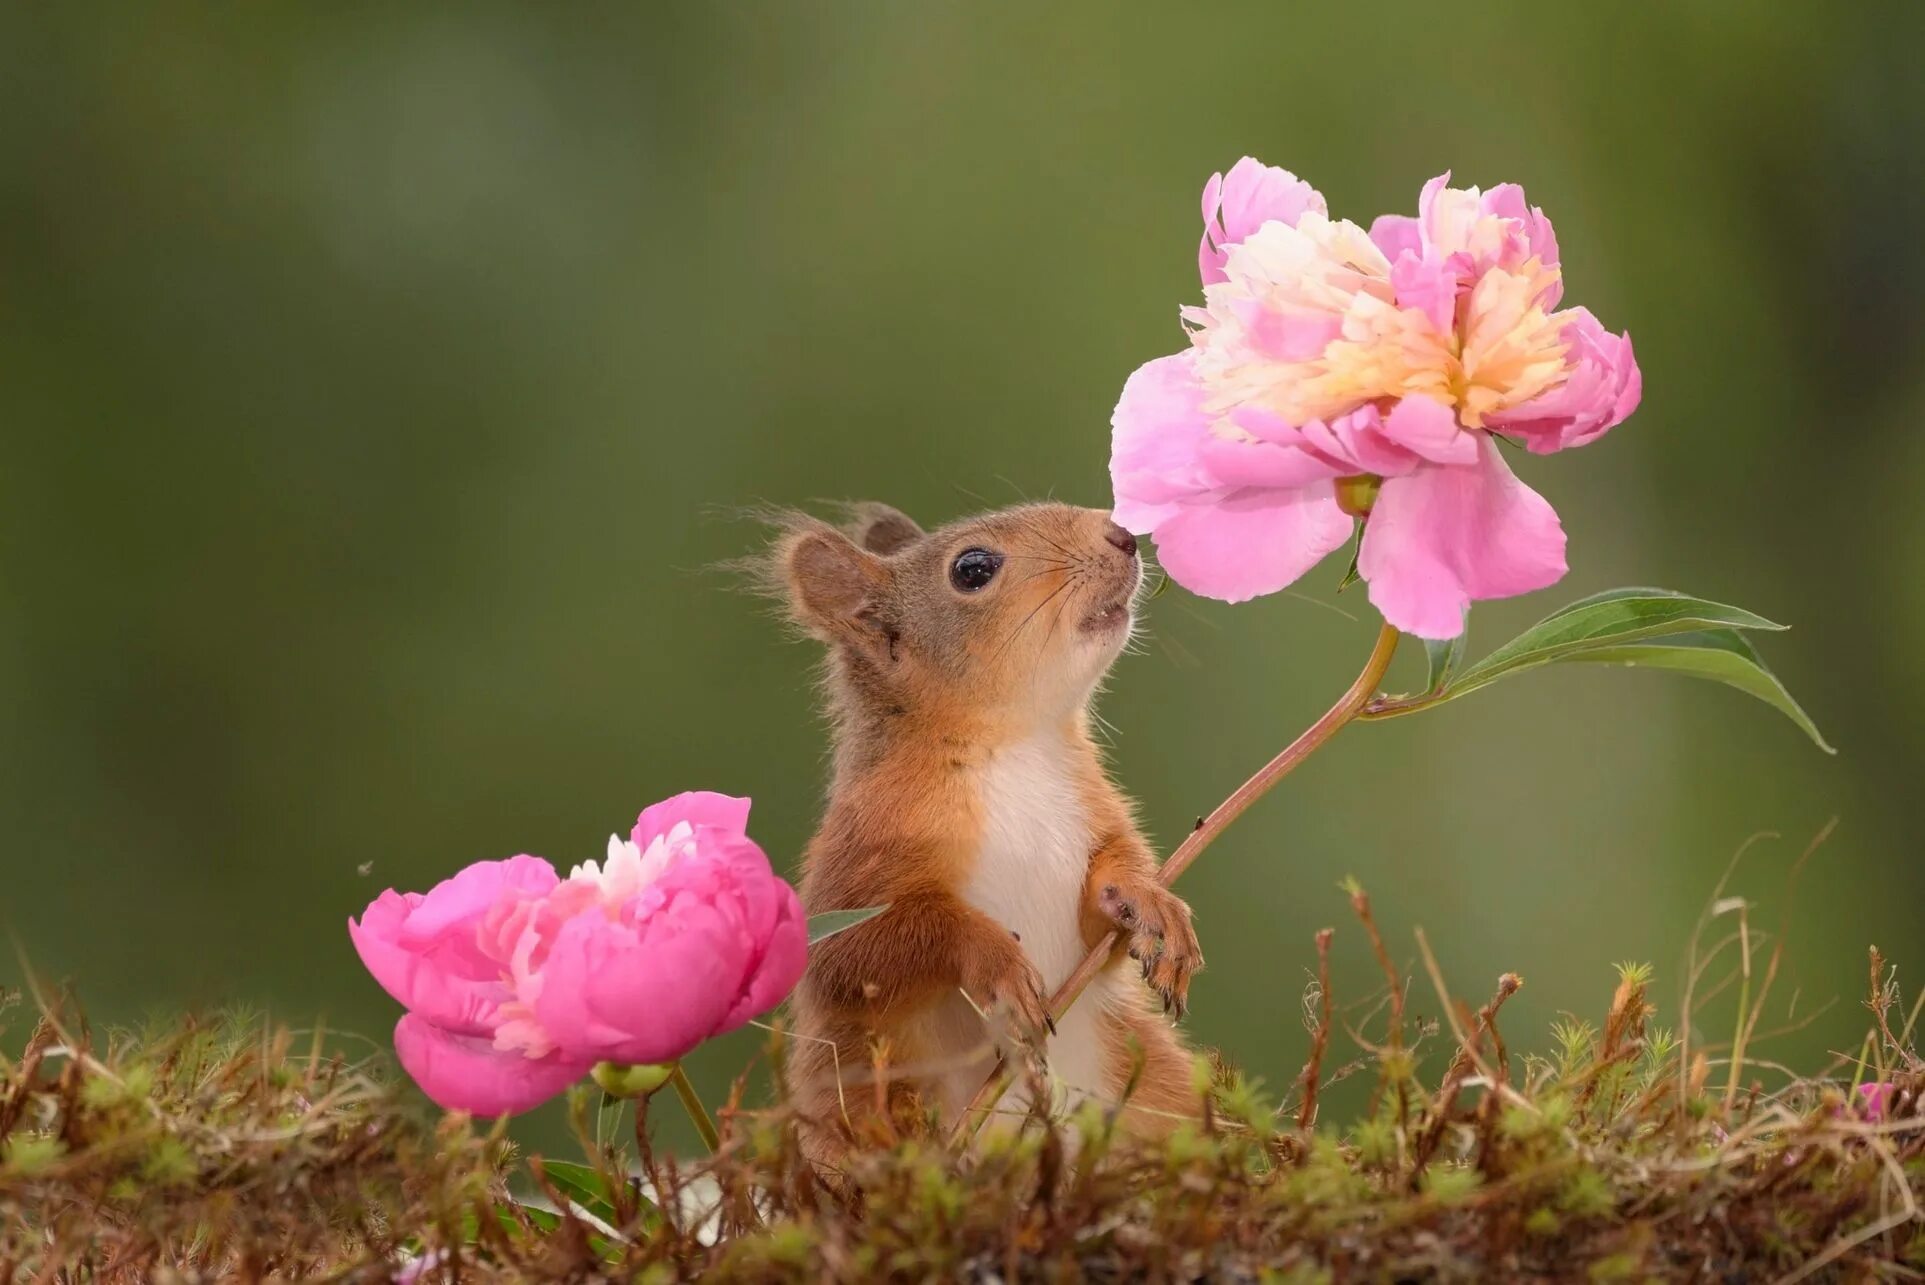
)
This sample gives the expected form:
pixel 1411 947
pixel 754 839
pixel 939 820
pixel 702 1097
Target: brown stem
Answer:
pixel 1319 1040
pixel 1360 903
pixel 1348 706
pixel 1460 1069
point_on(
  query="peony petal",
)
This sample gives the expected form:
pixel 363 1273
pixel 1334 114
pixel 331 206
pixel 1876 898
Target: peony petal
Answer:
pixel 1268 426
pixel 735 869
pixel 646 992
pixel 1356 439
pixel 1536 238
pixel 1284 336
pixel 1431 221
pixel 1602 388
pixel 1396 235
pixel 377 939
pixel 445 974
pixel 1542 239
pixel 1264 464
pixel 1157 430
pixel 784 956
pixel 464 1073
pixel 1445 536
pixel 1209 261
pixel 698 808
pixel 1428 286
pixel 1506 201
pixel 463 898
pixel 1630 387
pixel 1238 203
pixel 718 938
pixel 1252 542
pixel 436 984
pixel 1429 428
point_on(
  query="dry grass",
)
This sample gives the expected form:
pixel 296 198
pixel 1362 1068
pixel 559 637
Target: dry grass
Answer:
pixel 235 1150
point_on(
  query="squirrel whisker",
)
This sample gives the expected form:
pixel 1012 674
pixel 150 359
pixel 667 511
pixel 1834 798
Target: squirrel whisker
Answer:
pixel 1057 619
pixel 1024 622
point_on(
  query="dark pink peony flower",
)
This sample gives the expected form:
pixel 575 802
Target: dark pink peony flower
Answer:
pixel 517 981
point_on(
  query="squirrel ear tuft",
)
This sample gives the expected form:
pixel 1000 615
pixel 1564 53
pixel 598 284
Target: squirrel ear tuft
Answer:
pixel 832 585
pixel 881 529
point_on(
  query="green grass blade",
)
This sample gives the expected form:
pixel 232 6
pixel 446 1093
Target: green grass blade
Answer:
pixel 830 922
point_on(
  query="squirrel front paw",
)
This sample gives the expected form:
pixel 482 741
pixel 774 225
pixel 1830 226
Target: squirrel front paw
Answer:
pixel 1155 924
pixel 1009 989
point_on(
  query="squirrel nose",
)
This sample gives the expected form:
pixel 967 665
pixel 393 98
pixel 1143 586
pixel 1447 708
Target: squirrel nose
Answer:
pixel 1121 539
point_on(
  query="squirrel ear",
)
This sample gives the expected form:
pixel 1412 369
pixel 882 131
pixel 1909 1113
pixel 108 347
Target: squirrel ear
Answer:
pixel 833 586
pixel 881 529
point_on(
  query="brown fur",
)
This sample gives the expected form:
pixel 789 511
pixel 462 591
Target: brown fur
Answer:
pixel 925 685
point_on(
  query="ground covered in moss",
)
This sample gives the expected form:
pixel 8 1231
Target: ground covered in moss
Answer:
pixel 236 1149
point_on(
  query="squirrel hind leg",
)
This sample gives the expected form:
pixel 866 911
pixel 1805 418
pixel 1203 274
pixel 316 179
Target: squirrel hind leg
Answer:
pixel 848 1094
pixel 1141 1046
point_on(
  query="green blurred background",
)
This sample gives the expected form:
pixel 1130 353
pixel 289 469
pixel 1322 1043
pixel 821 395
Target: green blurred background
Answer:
pixel 372 378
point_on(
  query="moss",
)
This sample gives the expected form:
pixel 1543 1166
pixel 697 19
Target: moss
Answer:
pixel 29 1154
pixel 230 1148
pixel 1587 1194
pixel 1450 1186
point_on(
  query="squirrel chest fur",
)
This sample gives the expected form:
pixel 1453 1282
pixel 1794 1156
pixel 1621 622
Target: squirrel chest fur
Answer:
pixel 1030 869
pixel 968 796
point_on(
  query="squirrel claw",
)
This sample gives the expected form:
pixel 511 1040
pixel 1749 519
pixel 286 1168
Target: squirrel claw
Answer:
pixel 1156 924
pixel 1010 994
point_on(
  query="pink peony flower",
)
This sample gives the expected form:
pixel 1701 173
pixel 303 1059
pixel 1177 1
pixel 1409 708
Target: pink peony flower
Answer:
pixel 1384 361
pixel 517 981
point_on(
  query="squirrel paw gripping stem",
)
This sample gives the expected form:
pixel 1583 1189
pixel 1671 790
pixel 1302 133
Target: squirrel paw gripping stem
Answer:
pixel 1157 933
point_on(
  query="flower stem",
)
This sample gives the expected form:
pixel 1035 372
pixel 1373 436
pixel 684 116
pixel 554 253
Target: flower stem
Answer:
pixel 1347 708
pixel 696 1111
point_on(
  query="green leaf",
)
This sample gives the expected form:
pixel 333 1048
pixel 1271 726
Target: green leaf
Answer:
pixel 830 922
pixel 1721 655
pixel 1605 620
pixel 1443 659
pixel 581 1184
pixel 542 1220
pixel 585 1190
pixel 1350 576
pixel 1637 627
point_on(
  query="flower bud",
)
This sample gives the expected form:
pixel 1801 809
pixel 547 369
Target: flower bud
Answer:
pixel 1357 493
pixel 619 1081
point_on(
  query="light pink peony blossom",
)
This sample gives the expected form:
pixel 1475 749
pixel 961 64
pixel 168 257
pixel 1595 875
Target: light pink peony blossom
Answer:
pixel 517 981
pixel 1322 353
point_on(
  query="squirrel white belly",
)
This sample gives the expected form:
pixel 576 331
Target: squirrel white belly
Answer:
pixel 1031 868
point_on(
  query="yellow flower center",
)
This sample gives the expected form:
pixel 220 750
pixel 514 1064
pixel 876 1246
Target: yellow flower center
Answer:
pixel 1501 349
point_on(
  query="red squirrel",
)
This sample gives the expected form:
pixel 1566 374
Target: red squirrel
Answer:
pixel 968 796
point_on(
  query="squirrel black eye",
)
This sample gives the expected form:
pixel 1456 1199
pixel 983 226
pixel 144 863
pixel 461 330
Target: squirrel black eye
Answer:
pixel 974 568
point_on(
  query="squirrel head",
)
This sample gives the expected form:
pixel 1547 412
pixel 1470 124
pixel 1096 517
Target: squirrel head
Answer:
pixel 1002 617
